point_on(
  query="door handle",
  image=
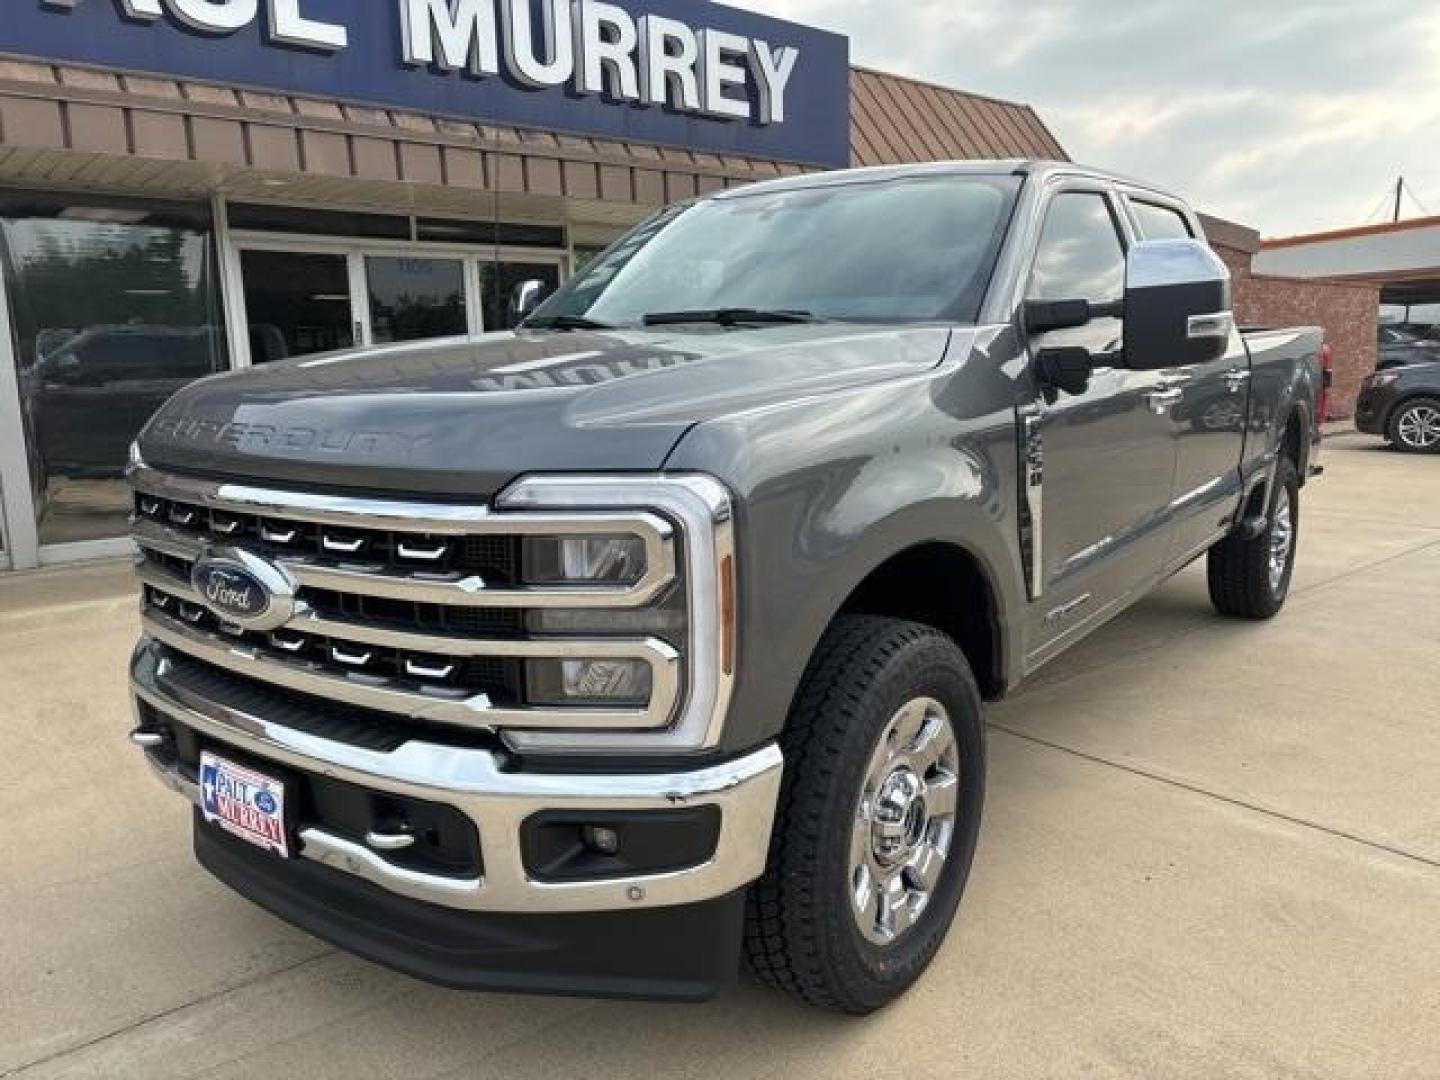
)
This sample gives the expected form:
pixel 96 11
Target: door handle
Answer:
pixel 1236 378
pixel 1160 401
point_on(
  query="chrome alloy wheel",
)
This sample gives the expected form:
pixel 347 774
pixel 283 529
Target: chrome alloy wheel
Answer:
pixel 1419 427
pixel 1282 539
pixel 905 820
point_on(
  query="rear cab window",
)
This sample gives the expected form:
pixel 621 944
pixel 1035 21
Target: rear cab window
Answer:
pixel 1157 222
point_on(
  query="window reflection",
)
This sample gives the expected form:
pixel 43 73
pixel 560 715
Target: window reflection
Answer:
pixel 413 299
pixel 498 282
pixel 296 304
pixel 114 309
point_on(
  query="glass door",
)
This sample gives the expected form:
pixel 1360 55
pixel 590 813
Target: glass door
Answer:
pixel 297 303
pixel 308 295
pixel 499 279
pixel 412 297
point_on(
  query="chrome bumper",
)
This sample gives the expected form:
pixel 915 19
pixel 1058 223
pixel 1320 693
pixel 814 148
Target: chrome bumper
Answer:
pixel 498 803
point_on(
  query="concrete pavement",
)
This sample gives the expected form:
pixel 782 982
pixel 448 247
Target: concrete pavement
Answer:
pixel 1211 850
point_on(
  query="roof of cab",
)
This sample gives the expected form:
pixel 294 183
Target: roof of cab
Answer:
pixel 1033 167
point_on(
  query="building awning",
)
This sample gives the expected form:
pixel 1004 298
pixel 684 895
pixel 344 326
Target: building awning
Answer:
pixel 62 125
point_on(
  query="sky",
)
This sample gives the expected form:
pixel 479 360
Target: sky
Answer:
pixel 1287 115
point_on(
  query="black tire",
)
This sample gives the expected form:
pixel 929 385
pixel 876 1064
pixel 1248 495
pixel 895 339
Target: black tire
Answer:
pixel 802 935
pixel 1410 410
pixel 1241 584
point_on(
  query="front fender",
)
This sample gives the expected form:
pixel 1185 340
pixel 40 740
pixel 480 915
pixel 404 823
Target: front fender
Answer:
pixel 830 489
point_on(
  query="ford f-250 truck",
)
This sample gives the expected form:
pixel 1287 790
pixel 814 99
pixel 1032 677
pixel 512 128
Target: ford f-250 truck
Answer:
pixel 586 657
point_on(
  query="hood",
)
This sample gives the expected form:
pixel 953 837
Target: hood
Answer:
pixel 463 417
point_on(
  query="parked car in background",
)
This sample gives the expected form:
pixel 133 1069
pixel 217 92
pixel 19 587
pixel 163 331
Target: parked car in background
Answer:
pixel 1403 405
pixel 1404 345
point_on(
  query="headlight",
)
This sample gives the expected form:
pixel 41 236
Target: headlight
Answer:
pixel 584 560
pixel 634 527
pixel 589 682
pixel 1382 380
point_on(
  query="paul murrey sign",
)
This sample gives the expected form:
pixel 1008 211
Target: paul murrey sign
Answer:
pixel 585 46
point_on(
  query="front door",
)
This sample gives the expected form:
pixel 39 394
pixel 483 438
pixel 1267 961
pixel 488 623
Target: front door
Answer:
pixel 1208 421
pixel 1107 455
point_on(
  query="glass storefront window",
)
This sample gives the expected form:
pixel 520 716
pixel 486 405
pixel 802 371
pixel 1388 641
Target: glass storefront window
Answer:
pixel 415 298
pixel 114 307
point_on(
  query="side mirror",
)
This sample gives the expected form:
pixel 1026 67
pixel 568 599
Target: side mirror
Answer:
pixel 524 299
pixel 1177 305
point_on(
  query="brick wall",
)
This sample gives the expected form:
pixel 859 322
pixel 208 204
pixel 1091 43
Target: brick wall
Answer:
pixel 1350 315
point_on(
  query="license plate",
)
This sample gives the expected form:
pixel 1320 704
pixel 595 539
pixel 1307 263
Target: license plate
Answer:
pixel 244 803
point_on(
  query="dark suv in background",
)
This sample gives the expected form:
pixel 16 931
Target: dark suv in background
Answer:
pixel 1403 405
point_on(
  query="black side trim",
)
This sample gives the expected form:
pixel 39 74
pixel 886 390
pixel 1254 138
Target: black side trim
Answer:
pixel 666 954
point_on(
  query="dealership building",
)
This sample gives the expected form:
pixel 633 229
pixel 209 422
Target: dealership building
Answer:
pixel 194 186
pixel 191 186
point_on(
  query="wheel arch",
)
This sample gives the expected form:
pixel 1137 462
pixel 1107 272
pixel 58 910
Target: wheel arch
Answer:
pixel 1293 443
pixel 945 585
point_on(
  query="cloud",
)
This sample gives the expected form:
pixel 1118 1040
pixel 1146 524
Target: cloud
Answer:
pixel 1289 116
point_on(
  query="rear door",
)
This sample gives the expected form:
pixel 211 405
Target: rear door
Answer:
pixel 1208 419
pixel 1106 457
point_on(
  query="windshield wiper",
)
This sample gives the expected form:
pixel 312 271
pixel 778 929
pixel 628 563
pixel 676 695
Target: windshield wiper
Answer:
pixel 727 317
pixel 564 322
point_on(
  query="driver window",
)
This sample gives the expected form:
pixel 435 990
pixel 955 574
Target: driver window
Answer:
pixel 1080 256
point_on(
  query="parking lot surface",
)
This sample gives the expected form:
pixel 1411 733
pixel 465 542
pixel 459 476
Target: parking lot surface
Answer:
pixel 1212 849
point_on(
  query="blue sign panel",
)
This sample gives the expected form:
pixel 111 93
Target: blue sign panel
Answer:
pixel 685 73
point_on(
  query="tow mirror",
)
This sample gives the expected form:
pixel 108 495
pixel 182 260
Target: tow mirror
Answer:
pixel 524 299
pixel 1067 368
pixel 1177 305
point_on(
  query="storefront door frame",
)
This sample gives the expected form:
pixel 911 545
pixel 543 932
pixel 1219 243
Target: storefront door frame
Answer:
pixel 355 252
pixel 17 503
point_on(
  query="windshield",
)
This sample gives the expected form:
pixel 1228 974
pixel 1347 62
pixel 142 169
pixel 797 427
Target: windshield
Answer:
pixel 890 251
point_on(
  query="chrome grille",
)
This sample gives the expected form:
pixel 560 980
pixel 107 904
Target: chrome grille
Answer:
pixel 433 672
pixel 419 610
pixel 494 558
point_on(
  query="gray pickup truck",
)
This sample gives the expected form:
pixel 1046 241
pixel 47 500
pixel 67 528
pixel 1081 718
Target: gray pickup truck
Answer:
pixel 589 657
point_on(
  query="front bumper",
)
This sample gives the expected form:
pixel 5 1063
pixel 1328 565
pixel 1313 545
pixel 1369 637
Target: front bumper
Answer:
pixel 497 802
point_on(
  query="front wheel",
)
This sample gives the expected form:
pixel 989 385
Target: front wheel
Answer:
pixel 878 817
pixel 1250 576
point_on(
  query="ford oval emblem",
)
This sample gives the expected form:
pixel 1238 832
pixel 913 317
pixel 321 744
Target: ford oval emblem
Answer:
pixel 244 589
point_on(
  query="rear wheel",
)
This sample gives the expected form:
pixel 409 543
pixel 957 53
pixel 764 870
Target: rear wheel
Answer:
pixel 878 817
pixel 1250 576
pixel 1415 427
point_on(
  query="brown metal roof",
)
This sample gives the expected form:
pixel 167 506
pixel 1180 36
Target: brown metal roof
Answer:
pixel 895 120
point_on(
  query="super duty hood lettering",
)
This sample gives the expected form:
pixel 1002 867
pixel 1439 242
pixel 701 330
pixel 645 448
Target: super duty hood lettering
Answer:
pixel 239 436
pixel 463 417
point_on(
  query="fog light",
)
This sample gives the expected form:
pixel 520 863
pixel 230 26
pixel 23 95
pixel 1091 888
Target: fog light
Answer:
pixel 601 840
pixel 578 682
pixel 584 560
